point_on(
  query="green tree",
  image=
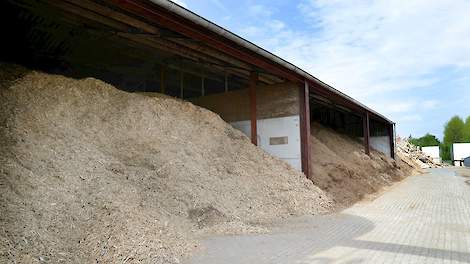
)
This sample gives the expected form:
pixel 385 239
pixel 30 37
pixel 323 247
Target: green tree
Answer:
pixel 453 130
pixel 425 141
pixel 414 141
pixel 445 151
pixel 453 133
pixel 466 130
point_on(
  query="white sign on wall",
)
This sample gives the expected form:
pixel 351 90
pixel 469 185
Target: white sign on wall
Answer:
pixel 279 137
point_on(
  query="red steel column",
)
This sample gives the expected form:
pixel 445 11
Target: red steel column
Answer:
pixel 366 129
pixel 391 133
pixel 252 91
pixel 304 110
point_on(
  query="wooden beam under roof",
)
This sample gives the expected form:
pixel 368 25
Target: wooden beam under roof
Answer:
pixel 195 55
pixel 196 47
pixel 90 15
pixel 150 41
pixel 115 15
pixel 195 58
pixel 123 24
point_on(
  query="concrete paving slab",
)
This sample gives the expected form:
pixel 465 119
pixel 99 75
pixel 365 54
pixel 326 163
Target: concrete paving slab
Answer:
pixel 424 219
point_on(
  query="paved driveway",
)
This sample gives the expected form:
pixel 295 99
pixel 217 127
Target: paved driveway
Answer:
pixel 424 219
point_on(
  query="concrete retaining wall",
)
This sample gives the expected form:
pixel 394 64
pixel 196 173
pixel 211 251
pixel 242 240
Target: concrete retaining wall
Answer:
pixel 381 144
pixel 278 136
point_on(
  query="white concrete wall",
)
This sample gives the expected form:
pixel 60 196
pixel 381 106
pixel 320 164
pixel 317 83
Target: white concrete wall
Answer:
pixel 460 151
pixel 278 136
pixel 433 152
pixel 243 126
pixel 381 144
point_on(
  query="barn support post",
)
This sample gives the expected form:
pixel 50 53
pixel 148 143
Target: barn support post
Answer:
pixel 182 84
pixel 304 110
pixel 252 92
pixel 162 80
pixel 203 86
pixel 391 133
pixel 366 129
pixel 226 82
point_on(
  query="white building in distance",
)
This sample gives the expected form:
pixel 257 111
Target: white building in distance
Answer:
pixel 460 151
pixel 433 152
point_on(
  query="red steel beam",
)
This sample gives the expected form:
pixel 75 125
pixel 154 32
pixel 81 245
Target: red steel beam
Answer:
pixel 252 91
pixel 304 110
pixel 366 128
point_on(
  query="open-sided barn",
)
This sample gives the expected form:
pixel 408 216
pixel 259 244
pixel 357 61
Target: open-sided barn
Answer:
pixel 159 47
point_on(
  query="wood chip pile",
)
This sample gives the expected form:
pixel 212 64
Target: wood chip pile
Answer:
pixel 93 174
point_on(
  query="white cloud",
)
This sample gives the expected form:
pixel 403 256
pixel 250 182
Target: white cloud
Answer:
pixel 181 3
pixel 276 25
pixel 365 48
pixel 393 108
pixel 430 104
pixel 399 107
pixel 410 118
pixel 220 5
pixel 258 10
pixel 396 107
pixel 251 31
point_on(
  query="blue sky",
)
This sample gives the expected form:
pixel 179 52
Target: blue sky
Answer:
pixel 409 60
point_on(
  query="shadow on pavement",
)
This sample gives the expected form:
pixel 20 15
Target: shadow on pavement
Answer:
pixel 411 250
pixel 304 236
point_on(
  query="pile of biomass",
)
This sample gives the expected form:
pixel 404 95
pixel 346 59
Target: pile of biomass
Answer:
pixel 341 168
pixel 413 155
pixel 89 173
